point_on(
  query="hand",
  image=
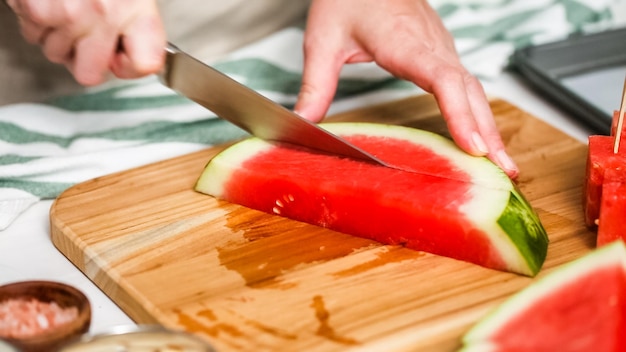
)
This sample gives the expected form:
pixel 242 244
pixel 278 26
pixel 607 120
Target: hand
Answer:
pixel 408 39
pixel 84 35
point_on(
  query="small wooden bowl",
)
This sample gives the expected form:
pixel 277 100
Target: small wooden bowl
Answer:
pixel 47 291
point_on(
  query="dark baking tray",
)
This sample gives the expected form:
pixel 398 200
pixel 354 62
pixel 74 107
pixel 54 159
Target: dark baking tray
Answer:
pixel 581 74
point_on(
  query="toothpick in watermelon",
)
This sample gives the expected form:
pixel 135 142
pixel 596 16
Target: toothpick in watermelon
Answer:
pixel 604 203
pixel 615 124
pixel 449 203
pixel 578 307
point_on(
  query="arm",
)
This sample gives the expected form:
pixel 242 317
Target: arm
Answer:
pixel 408 39
pixel 83 35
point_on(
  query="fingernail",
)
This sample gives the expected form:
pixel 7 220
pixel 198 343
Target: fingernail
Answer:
pixel 505 161
pixel 479 143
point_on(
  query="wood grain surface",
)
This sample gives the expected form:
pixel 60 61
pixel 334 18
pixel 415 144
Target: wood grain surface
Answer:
pixel 249 281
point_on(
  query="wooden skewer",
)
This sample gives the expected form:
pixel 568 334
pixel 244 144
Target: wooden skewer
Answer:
pixel 620 121
pixel 622 106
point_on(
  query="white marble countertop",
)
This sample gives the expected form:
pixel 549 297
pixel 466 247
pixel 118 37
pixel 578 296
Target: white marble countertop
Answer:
pixel 27 253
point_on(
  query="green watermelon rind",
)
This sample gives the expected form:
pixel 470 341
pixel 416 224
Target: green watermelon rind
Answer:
pixel 524 250
pixel 520 218
pixel 478 337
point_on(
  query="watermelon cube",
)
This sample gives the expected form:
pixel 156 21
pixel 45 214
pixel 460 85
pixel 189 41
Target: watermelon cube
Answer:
pixel 613 204
pixel 600 149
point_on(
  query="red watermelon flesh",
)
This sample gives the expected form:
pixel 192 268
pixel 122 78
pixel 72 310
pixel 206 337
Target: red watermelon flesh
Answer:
pixel 613 206
pixel 453 204
pixel 600 149
pixel 580 306
pixel 600 158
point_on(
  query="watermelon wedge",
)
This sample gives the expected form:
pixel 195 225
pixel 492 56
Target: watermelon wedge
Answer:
pixel 579 307
pixel 449 203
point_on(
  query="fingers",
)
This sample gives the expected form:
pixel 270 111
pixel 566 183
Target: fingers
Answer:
pixel 33 33
pixel 465 108
pixel 57 46
pixel 319 83
pixel 83 35
pixel 450 90
pixel 408 39
pixel 143 42
pixel 92 56
pixel 437 69
pixel 323 45
pixel 486 125
pixel 50 13
pixel 471 122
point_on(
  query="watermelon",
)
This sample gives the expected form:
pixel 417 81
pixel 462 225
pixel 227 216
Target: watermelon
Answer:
pixel 444 201
pixel 604 202
pixel 600 149
pixel 613 204
pixel 580 306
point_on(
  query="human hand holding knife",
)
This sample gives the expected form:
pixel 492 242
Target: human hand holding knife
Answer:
pixel 83 36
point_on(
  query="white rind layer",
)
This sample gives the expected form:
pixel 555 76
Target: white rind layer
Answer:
pixel 221 167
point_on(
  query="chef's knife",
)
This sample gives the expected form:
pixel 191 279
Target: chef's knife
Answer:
pixel 248 109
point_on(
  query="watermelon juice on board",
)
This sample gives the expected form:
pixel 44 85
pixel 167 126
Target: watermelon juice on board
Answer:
pixel 447 202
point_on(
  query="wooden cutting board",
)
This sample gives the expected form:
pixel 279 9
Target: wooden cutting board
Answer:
pixel 250 281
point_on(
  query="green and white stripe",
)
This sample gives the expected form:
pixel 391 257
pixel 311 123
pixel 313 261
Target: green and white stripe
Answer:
pixel 45 148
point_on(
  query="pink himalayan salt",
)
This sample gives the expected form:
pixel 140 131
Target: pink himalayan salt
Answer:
pixel 21 318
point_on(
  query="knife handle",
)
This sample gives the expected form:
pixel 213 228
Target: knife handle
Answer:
pixel 171 51
pixel 169 47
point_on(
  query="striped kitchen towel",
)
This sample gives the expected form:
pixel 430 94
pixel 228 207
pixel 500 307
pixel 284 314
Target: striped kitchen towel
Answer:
pixel 46 148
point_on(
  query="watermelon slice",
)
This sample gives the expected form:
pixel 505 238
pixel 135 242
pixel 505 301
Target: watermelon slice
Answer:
pixel 450 203
pixel 580 306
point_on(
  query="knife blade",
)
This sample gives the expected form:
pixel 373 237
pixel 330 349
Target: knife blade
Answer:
pixel 248 109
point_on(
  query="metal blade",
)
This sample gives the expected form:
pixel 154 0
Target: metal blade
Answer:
pixel 248 109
